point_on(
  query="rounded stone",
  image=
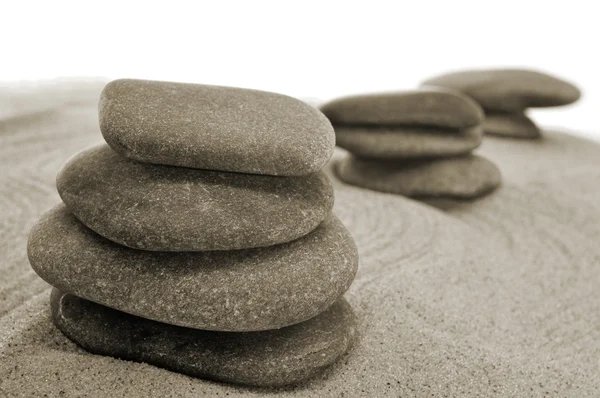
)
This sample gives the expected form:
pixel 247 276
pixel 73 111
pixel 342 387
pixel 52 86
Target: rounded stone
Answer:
pixel 389 143
pixel 509 90
pixel 165 208
pixel 269 358
pixel 423 107
pixel 239 290
pixel 464 177
pixel 513 125
pixel 215 128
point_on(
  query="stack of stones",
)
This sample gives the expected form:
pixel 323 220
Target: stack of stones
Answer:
pixel 505 95
pixel 416 143
pixel 201 239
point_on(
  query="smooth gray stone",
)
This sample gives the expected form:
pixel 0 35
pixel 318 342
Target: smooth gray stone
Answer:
pixel 165 208
pixel 270 358
pixel 404 142
pixel 214 128
pixel 465 177
pixel 509 90
pixel 423 107
pixel 513 125
pixel 239 290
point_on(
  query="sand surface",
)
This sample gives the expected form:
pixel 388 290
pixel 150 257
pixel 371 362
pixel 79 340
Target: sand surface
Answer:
pixel 499 297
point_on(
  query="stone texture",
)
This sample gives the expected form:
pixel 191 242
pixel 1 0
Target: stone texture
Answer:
pixel 240 290
pixel 215 128
pixel 405 142
pixel 514 125
pixel 269 358
pixel 509 90
pixel 164 208
pixel 423 107
pixel 465 177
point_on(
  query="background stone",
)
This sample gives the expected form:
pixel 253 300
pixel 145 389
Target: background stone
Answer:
pixel 464 177
pixel 424 107
pixel 515 125
pixel 407 142
pixel 509 90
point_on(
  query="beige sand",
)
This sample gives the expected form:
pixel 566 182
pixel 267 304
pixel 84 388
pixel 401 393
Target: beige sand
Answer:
pixel 500 297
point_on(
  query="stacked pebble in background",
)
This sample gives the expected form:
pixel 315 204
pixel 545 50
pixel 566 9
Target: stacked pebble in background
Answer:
pixel 201 239
pixel 416 143
pixel 505 95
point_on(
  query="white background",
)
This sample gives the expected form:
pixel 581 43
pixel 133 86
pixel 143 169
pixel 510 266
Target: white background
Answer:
pixel 315 49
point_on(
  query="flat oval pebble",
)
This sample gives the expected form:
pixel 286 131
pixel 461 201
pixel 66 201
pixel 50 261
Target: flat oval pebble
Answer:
pixel 215 128
pixel 464 177
pixel 270 358
pixel 240 290
pixel 165 208
pixel 423 107
pixel 509 90
pixel 388 143
pixel 514 125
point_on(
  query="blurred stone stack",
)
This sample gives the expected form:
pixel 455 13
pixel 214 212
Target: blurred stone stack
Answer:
pixel 506 94
pixel 201 239
pixel 415 143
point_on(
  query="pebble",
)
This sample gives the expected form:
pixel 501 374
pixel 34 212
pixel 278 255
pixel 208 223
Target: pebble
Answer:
pixel 214 128
pixel 388 143
pixel 509 90
pixel 236 291
pixel 514 125
pixel 270 358
pixel 165 208
pixel 465 177
pixel 423 107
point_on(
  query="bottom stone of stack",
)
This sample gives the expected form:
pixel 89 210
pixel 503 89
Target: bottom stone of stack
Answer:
pixel 269 358
pixel 464 177
pixel 514 125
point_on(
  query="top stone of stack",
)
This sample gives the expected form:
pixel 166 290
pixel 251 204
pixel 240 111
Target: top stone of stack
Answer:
pixel 434 107
pixel 509 90
pixel 217 128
